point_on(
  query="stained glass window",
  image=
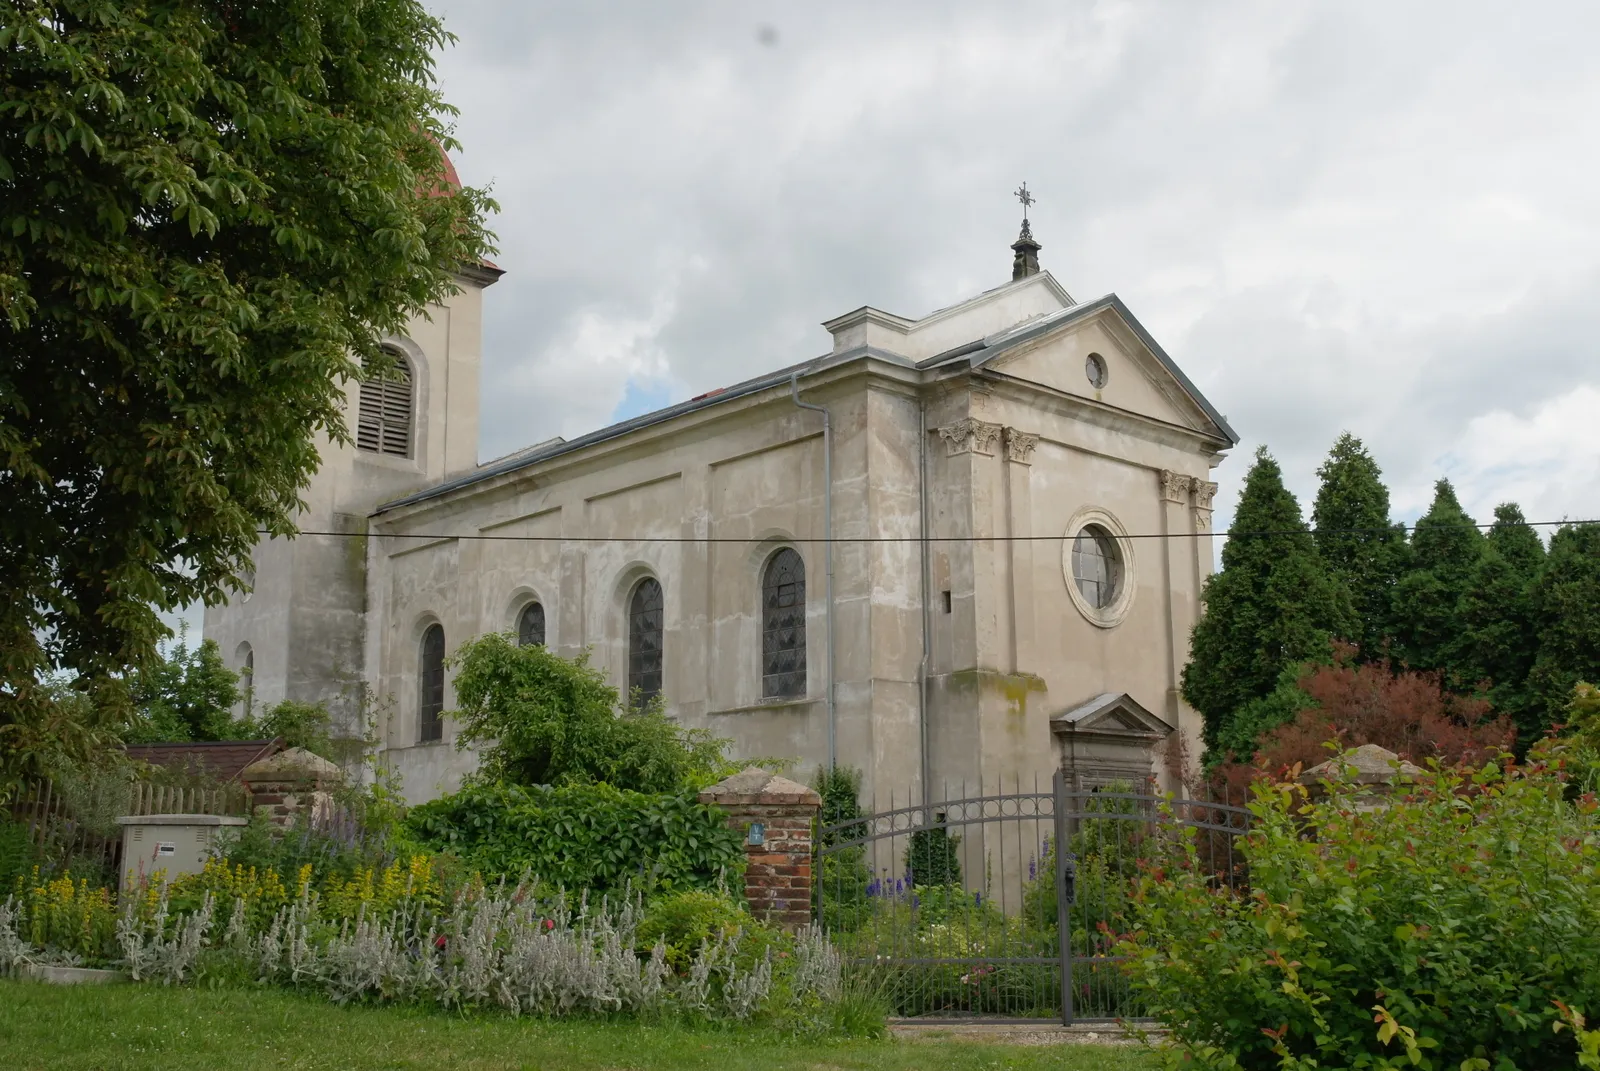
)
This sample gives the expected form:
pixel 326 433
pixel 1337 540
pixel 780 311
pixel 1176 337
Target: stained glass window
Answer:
pixel 783 626
pixel 645 627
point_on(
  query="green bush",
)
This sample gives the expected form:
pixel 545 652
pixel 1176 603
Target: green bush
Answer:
pixel 592 837
pixel 17 857
pixel 932 859
pixel 547 720
pixel 685 921
pixel 839 897
pixel 1436 932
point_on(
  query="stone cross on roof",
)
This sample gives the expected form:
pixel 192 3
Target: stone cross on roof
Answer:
pixel 1025 261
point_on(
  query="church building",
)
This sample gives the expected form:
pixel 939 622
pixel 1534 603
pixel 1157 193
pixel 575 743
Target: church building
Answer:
pixel 957 548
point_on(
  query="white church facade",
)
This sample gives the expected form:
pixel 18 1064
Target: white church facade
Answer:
pixel 1017 490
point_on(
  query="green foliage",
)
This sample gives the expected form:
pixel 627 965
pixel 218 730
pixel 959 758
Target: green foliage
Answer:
pixel 839 894
pixel 684 921
pixel 593 837
pixel 1446 548
pixel 1500 638
pixel 307 725
pixel 245 200
pixel 1251 722
pixel 17 857
pixel 1356 538
pixel 933 857
pixel 1567 601
pixel 187 694
pixel 1273 605
pixel 546 720
pixel 340 850
pixel 1576 750
pixel 1456 915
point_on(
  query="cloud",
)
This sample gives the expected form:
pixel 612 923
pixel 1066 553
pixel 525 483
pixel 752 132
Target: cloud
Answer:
pixel 1334 215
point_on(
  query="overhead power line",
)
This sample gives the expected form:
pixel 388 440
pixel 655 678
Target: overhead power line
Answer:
pixel 496 537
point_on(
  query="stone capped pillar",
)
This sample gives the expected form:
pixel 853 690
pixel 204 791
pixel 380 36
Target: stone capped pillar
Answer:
pixel 1375 772
pixel 290 783
pixel 777 876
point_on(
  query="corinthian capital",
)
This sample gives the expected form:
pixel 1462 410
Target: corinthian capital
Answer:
pixel 1019 445
pixel 1175 486
pixel 970 436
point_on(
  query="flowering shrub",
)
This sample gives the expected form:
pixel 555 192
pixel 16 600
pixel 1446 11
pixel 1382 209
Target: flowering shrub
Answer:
pixel 1455 928
pixel 73 920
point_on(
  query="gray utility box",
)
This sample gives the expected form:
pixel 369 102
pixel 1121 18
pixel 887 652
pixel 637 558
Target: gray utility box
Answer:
pixel 174 843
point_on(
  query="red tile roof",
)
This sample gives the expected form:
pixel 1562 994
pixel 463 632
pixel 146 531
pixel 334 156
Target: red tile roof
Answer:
pixel 222 759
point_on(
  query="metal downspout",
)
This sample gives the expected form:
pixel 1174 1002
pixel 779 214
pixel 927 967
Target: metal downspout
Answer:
pixel 927 621
pixel 827 544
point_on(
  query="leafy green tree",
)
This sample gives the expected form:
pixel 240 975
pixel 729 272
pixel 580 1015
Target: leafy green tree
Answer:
pixel 547 720
pixel 186 695
pixel 1566 598
pixel 1499 641
pixel 211 212
pixel 1356 538
pixel 1446 548
pixel 1274 604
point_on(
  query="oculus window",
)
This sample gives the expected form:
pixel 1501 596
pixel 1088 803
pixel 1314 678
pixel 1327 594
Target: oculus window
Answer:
pixel 1094 366
pixel 1097 566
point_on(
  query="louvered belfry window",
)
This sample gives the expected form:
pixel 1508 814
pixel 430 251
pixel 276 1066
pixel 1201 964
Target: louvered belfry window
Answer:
pixel 430 686
pixel 783 626
pixel 383 426
pixel 645 623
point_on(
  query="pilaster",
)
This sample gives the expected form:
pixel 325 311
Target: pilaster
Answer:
pixel 1019 447
pixel 1176 560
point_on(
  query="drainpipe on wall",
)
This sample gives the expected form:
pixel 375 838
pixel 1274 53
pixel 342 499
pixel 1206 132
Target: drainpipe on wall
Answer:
pixel 927 622
pixel 827 545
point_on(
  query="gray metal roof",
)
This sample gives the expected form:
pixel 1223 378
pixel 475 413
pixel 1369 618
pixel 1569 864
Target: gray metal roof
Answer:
pixel 975 353
pixel 533 456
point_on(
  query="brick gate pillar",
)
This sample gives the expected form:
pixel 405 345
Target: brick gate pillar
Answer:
pixel 292 783
pixel 775 816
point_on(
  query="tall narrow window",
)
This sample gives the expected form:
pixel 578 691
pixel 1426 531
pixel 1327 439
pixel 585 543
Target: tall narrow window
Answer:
pixel 383 425
pixel 783 626
pixel 530 625
pixel 430 686
pixel 644 640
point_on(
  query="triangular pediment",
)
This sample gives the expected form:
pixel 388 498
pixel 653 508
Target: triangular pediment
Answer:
pixel 1112 714
pixel 1139 377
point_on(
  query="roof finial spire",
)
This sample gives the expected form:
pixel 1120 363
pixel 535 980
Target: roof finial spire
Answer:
pixel 1026 260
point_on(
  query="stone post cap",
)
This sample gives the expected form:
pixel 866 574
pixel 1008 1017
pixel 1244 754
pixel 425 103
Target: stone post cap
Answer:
pixel 293 764
pixel 753 785
pixel 1374 766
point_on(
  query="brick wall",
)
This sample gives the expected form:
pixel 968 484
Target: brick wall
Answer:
pixel 777 880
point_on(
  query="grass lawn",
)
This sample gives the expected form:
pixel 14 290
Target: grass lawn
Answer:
pixel 110 1028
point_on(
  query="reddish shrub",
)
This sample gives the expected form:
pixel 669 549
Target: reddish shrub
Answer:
pixel 1408 712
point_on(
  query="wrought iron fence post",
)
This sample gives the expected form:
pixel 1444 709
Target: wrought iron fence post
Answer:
pixel 1063 908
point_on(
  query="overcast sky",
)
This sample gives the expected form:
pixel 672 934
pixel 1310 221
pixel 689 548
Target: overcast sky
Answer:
pixel 1369 216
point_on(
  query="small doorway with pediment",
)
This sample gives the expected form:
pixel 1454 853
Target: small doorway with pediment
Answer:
pixel 1110 740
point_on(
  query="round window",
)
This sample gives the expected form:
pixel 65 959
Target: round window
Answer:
pixel 1096 566
pixel 1094 366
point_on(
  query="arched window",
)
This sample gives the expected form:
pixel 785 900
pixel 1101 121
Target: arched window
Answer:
pixel 783 626
pixel 530 625
pixel 644 640
pixel 383 425
pixel 430 686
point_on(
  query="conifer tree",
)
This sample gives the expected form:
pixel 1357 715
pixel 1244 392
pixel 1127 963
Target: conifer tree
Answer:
pixel 1275 603
pixel 1566 600
pixel 1500 641
pixel 1356 538
pixel 1445 550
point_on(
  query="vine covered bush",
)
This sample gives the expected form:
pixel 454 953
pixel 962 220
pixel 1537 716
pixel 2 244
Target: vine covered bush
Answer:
pixel 1458 927
pixel 593 837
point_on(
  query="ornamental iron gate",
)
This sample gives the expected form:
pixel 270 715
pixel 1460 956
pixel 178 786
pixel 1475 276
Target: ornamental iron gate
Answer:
pixel 967 908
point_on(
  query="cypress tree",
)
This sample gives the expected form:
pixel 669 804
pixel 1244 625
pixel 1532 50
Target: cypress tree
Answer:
pixel 1566 602
pixel 1499 643
pixel 1274 603
pixel 1356 538
pixel 1446 547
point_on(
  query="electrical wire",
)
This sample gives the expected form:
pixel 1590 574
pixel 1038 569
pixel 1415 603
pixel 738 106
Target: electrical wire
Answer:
pixel 1284 533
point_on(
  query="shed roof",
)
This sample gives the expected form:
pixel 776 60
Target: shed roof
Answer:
pixel 222 759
